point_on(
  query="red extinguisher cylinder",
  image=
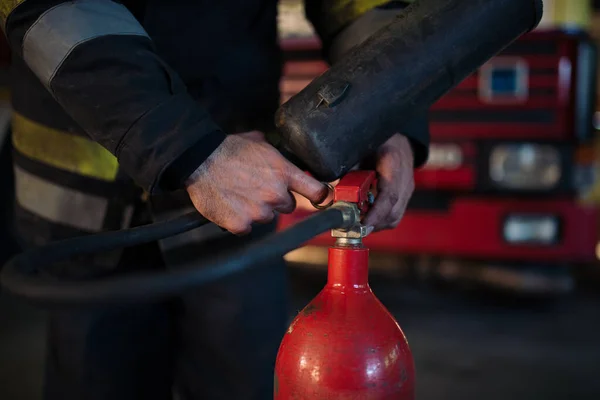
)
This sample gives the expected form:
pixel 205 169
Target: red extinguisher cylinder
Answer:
pixel 345 344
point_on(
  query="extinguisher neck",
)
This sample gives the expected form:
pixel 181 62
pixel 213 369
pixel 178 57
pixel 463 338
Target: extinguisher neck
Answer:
pixel 348 242
pixel 348 267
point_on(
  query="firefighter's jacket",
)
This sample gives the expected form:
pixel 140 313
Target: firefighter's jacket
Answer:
pixel 113 96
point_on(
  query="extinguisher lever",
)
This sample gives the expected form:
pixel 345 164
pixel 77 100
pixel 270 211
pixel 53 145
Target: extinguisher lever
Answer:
pixel 355 191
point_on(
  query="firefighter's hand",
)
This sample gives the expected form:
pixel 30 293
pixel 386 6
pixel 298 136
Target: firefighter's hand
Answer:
pixel 246 180
pixel 394 166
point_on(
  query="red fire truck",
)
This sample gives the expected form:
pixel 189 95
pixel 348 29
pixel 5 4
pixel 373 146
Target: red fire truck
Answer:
pixel 502 197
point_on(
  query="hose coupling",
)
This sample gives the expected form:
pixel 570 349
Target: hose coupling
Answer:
pixel 350 214
pixel 352 232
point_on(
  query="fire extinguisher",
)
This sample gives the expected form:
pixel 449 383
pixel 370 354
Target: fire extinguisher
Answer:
pixel 345 344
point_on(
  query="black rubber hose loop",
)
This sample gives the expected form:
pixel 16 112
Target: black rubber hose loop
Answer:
pixel 20 276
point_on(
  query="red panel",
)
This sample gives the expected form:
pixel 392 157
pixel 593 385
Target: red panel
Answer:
pixel 472 228
pixel 472 102
pixel 304 68
pixel 460 178
pixel 299 44
pixel 293 86
pixel 541 61
pixel 508 130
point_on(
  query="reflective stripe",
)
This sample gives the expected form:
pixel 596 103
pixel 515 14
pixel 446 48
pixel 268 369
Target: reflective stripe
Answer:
pixel 7 7
pixel 58 31
pixel 59 204
pixel 354 8
pixel 343 12
pixel 63 150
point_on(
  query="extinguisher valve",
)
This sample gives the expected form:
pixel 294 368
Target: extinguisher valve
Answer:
pixel 350 213
pixel 357 231
pixel 355 194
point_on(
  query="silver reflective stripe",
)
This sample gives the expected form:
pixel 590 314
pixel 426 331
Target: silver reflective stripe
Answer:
pixel 59 204
pixel 198 235
pixel 58 31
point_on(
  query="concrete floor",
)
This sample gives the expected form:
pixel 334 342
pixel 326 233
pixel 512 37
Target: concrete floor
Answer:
pixel 465 346
pixel 473 346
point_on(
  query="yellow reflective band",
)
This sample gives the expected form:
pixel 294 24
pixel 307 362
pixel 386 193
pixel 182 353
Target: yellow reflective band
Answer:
pixel 561 13
pixel 358 7
pixel 6 7
pixel 346 11
pixel 63 150
pixel 341 13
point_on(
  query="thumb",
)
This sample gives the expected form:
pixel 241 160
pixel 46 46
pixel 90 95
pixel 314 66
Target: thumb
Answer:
pixel 306 185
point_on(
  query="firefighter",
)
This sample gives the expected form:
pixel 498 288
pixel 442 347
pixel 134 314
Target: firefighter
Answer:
pixel 132 112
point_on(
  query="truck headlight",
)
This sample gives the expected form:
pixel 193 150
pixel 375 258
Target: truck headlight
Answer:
pixel 525 166
pixel 444 156
pixel 531 229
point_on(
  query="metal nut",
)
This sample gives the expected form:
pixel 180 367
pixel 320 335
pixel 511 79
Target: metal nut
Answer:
pixel 350 213
pixel 356 232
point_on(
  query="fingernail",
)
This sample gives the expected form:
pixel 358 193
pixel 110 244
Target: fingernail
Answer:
pixel 370 229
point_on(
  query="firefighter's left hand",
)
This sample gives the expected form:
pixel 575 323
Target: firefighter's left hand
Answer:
pixel 395 166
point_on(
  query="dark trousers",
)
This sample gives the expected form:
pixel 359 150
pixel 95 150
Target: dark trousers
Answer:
pixel 215 342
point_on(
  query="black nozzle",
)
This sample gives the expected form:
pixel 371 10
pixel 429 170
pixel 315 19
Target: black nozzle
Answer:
pixel 399 72
pixel 539 12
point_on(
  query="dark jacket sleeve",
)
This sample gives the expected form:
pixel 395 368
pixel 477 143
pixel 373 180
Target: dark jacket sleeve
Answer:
pixel 344 24
pixel 100 65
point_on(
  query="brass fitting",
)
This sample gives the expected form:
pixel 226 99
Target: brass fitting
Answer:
pixel 352 232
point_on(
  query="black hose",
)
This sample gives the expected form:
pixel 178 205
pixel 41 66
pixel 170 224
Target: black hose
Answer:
pixel 20 275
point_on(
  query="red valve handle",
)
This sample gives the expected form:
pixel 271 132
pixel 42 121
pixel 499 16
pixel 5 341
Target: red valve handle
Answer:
pixel 358 187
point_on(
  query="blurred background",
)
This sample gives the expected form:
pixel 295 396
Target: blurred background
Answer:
pixel 494 272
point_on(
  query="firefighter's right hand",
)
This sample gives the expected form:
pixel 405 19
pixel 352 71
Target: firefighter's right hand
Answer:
pixel 246 180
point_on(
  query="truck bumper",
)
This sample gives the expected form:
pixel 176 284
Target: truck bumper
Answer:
pixel 473 228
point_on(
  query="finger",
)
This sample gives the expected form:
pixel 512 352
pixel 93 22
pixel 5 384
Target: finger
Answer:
pixel 394 218
pixel 237 227
pixel 280 198
pixel 234 217
pixel 399 209
pixel 287 205
pixel 386 199
pixel 389 165
pixel 263 215
pixel 306 185
pixel 376 217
